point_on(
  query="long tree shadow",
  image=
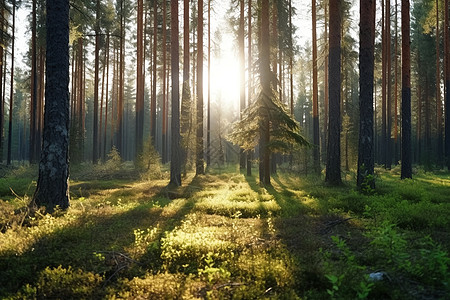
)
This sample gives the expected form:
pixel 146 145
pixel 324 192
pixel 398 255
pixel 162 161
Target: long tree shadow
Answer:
pixel 94 232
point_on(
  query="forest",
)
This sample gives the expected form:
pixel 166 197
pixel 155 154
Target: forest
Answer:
pixel 238 149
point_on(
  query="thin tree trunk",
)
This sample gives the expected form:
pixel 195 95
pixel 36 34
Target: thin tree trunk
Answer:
pixel 208 124
pixel 153 98
pixel 326 88
pixel 11 94
pixel 389 86
pixel 396 87
pixel 107 96
pixel 140 81
pixel 120 104
pixel 96 85
pixel 102 97
pixel 265 77
pixel 438 94
pixel 250 71
pixel 406 170
pixel 199 149
pixel 447 83
pixel 164 106
pixel 315 96
pixel 185 98
pixel 175 161
pixel 383 144
pixel 34 95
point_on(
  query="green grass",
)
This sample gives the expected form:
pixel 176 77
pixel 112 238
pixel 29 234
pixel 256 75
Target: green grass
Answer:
pixel 222 236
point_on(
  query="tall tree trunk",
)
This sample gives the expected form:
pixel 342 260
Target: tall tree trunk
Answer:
pixel 406 170
pixel 274 49
pixel 185 96
pixel 265 78
pixel 40 105
pixel 438 94
pixel 315 96
pixel 120 104
pixel 96 85
pixel 333 172
pixel 250 71
pixel 208 123
pixel 11 94
pixel 107 96
pixel 153 98
pixel 53 185
pixel 383 144
pixel 34 83
pixel 175 161
pixel 199 149
pixel 325 79
pixel 396 87
pixel 241 39
pixel 366 80
pixel 389 86
pixel 102 98
pixel 164 106
pixel 140 80
pixel 447 84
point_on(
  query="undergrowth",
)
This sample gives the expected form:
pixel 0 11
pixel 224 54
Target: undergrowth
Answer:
pixel 222 236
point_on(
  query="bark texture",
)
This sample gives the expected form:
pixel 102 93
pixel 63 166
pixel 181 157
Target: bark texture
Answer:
pixel 52 186
pixel 366 69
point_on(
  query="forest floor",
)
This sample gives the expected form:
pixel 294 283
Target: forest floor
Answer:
pixel 222 236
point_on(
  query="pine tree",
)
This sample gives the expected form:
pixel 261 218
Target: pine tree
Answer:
pixel 200 169
pixel 53 186
pixel 175 162
pixel 333 172
pixel 406 169
pixel 366 70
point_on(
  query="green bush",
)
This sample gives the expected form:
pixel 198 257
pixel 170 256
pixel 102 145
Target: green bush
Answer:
pixel 62 283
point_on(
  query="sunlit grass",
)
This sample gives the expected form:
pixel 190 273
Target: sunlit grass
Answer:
pixel 220 235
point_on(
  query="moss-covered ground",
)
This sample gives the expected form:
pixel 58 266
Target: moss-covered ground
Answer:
pixel 223 236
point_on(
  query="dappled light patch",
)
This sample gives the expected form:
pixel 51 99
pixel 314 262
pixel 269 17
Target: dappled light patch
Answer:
pixel 64 283
pixel 186 247
pixel 152 286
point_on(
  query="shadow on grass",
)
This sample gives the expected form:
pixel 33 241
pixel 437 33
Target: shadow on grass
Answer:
pixel 101 231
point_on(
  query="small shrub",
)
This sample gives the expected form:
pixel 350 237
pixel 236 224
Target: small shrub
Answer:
pixel 62 283
pixel 152 286
pixel 348 279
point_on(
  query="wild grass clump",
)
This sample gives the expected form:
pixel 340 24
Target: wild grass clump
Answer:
pixel 187 246
pixel 227 207
pixel 64 283
pixel 236 198
pixel 150 286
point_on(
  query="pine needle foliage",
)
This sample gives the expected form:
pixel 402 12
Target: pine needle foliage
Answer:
pixel 285 133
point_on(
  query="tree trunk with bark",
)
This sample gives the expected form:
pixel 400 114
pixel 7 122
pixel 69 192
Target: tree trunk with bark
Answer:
pixel 53 183
pixel 333 172
pixel 140 80
pixel 315 96
pixel 406 169
pixel 266 80
pixel 11 94
pixel 175 161
pixel 365 177
pixel 200 169
pixel 447 84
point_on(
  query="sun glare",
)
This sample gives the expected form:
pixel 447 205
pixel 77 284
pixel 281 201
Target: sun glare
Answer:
pixel 225 79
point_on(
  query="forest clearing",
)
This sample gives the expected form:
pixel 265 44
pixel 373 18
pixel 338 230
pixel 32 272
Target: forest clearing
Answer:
pixel 223 236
